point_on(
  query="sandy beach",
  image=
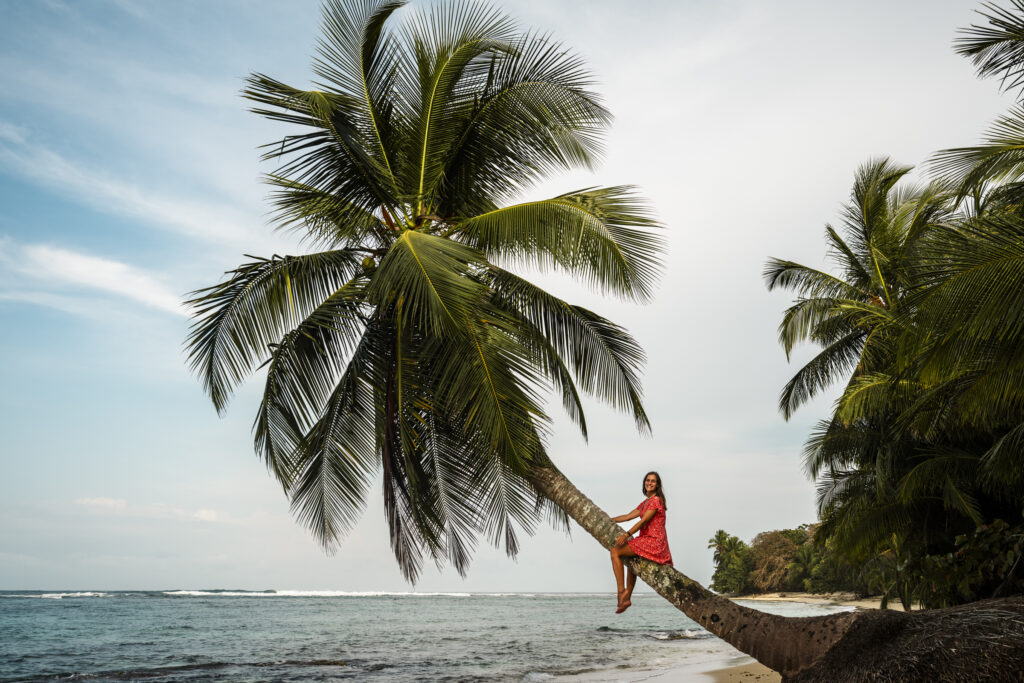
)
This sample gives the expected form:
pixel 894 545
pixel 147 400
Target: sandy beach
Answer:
pixel 844 599
pixel 744 673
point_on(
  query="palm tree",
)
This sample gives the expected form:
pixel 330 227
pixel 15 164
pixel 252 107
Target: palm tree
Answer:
pixel 405 345
pixel 719 543
pixel 853 316
pixel 802 565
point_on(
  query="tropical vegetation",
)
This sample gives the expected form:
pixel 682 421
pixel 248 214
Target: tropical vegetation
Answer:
pixel 921 462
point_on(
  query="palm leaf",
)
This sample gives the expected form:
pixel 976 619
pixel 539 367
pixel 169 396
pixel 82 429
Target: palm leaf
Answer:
pixel 236 320
pixel 604 358
pixel 604 235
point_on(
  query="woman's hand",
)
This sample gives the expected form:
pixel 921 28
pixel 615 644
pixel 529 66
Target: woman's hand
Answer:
pixel 620 542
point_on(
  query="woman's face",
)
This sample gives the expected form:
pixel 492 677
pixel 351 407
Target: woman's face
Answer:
pixel 650 483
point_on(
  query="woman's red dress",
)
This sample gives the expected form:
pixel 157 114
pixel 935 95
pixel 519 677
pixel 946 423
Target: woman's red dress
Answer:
pixel 652 542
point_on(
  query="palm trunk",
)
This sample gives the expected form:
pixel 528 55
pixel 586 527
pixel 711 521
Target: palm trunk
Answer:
pixel 953 644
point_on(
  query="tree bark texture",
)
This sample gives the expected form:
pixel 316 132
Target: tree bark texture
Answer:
pixel 850 646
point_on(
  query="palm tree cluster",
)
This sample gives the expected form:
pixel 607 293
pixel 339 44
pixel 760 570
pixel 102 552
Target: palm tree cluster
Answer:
pixel 732 563
pixel 403 344
pixel 924 323
pixel 782 560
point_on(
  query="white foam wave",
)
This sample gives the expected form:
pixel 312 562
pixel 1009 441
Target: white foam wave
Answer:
pixel 58 596
pixel 685 634
pixel 313 594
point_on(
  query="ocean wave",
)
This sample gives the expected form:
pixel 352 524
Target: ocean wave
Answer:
pixel 684 634
pixel 163 671
pixel 311 594
pixel 57 596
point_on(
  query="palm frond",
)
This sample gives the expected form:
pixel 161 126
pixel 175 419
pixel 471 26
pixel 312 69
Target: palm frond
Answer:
pixel 432 276
pixel 326 219
pixel 808 282
pixel 357 56
pixel 824 369
pixel 1003 463
pixel 452 46
pixel 999 157
pixel 535 115
pixel 236 321
pixel 997 49
pixel 604 358
pixel 605 236
pixel 337 460
pixel 333 157
pixel 301 375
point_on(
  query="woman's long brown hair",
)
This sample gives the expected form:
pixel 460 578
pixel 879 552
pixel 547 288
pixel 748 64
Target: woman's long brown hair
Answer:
pixel 658 492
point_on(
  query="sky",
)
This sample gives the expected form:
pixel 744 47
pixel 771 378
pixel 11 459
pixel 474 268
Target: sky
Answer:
pixel 130 175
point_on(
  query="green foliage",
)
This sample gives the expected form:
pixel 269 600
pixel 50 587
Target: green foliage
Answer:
pixel 732 563
pixel 405 348
pixel 782 560
pixel 771 553
pixel 986 563
pixel 923 326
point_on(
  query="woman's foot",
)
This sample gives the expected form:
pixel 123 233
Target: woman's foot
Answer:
pixel 624 602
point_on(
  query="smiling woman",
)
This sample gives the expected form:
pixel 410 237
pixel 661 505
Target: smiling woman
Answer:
pixel 650 544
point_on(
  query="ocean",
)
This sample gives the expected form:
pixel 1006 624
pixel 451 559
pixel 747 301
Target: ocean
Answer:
pixel 235 635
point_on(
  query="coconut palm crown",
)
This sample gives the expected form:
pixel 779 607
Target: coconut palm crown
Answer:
pixel 403 345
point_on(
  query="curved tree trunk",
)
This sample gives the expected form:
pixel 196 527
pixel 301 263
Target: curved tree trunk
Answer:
pixel 980 641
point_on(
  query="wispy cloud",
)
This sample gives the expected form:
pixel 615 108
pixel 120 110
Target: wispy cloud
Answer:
pixel 149 511
pixel 53 265
pixel 207 221
pixel 205 515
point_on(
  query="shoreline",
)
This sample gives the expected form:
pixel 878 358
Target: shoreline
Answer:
pixel 837 599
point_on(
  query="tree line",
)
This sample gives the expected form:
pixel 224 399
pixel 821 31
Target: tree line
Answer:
pixel 981 564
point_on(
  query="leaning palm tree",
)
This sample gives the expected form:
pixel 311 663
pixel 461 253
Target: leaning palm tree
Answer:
pixel 403 345
pixel 406 345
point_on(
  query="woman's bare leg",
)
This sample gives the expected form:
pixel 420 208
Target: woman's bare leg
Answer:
pixel 630 583
pixel 619 571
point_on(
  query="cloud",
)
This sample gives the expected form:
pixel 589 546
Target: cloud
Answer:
pixel 67 304
pixel 115 504
pixel 205 515
pixel 12 134
pixel 149 511
pixel 54 264
pixel 207 221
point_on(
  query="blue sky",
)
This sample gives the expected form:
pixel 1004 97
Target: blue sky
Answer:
pixel 129 175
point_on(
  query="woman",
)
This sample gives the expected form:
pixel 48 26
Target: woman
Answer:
pixel 651 543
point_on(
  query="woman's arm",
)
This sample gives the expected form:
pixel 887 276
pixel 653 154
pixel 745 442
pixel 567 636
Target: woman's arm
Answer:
pixel 648 516
pixel 626 517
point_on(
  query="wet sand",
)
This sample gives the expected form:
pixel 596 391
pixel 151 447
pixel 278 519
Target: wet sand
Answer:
pixel 744 673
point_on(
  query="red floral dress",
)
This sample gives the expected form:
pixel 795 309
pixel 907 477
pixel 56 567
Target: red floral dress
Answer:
pixel 652 542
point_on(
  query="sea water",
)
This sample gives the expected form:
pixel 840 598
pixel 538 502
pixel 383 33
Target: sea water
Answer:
pixel 281 635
